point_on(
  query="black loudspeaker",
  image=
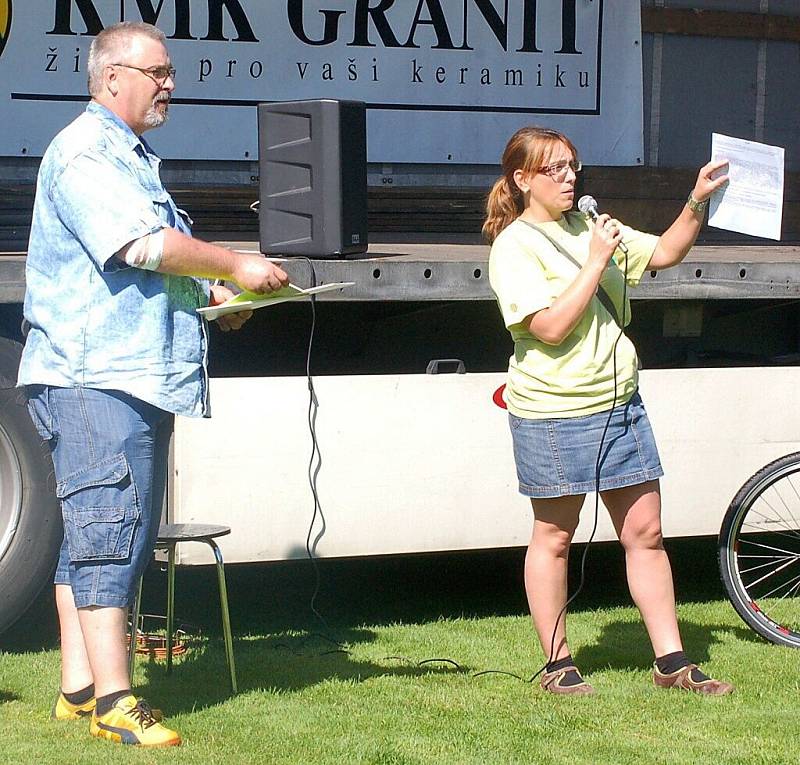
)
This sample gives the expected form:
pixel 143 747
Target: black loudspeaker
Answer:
pixel 312 158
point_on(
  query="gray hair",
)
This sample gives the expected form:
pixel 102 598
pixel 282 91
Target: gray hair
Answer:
pixel 111 44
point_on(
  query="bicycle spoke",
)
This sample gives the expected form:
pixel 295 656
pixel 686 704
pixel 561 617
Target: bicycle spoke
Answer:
pixel 768 562
pixel 792 527
pixel 767 576
pixel 796 587
pixel 768 499
pixel 796 494
pixel 757 528
pixel 785 582
pixel 780 604
pixel 769 521
pixel 781 586
pixel 766 547
pixel 779 614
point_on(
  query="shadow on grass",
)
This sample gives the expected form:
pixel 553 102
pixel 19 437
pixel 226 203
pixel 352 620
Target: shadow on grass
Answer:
pixel 279 663
pixel 6 696
pixel 276 598
pixel 36 630
pixel 625 645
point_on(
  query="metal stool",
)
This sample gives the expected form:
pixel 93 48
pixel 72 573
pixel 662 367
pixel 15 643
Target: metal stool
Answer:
pixel 169 536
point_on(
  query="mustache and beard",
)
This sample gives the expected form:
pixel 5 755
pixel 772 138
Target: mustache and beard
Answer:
pixel 156 117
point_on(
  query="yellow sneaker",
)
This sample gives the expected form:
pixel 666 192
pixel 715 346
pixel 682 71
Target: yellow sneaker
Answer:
pixel 64 710
pixel 131 721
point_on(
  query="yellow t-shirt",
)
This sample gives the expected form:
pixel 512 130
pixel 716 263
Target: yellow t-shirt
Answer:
pixel 527 273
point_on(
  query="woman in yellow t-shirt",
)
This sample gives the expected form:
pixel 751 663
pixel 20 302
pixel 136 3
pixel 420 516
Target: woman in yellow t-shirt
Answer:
pixel 560 281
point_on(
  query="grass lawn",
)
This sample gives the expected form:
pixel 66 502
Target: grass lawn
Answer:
pixel 304 700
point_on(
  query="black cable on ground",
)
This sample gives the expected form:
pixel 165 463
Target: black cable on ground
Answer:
pixel 598 466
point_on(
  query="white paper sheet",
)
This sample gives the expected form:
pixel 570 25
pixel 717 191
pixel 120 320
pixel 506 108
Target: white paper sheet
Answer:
pixel 247 301
pixel 752 201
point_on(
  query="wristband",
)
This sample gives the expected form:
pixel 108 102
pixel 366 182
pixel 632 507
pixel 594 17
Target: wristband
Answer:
pixel 695 206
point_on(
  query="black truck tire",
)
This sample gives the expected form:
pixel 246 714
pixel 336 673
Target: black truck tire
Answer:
pixel 30 518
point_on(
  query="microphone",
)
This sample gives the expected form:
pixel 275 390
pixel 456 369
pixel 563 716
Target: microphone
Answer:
pixel 588 206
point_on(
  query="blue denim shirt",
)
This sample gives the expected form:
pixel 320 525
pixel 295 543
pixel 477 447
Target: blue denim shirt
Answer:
pixel 96 322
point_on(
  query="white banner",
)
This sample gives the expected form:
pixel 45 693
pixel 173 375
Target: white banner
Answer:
pixel 445 81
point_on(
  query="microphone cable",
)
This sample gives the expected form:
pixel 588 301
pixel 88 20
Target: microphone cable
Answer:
pixel 598 466
pixel 315 464
pixel 315 458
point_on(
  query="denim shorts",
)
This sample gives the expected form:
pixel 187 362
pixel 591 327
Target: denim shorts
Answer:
pixel 558 457
pixel 110 457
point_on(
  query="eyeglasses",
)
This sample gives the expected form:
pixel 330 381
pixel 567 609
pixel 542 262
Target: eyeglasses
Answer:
pixel 158 74
pixel 558 170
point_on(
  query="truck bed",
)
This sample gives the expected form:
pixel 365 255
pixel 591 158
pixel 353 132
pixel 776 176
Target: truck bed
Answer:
pixel 423 267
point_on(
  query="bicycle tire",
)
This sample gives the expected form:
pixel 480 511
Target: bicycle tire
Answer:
pixel 759 551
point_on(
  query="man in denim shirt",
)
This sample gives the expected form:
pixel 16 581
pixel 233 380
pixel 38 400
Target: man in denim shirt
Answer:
pixel 115 350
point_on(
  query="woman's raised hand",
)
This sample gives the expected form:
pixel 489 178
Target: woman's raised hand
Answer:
pixel 709 180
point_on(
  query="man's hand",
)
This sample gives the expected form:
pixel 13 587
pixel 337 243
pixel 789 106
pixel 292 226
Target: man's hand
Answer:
pixel 183 255
pixel 257 274
pixel 219 295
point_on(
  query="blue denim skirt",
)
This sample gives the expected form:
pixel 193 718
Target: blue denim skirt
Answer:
pixel 558 457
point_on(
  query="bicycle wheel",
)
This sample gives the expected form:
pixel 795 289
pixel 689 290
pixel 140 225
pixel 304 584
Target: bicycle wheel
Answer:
pixel 759 551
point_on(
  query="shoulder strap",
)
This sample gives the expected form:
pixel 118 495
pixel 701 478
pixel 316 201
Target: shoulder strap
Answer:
pixel 601 294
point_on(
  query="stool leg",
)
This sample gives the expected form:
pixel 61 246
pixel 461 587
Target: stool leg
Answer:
pixel 226 619
pixel 137 604
pixel 170 604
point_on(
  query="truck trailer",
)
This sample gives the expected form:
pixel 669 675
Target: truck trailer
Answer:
pixel 412 454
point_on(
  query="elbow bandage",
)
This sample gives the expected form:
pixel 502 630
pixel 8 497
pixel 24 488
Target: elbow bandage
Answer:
pixel 145 252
